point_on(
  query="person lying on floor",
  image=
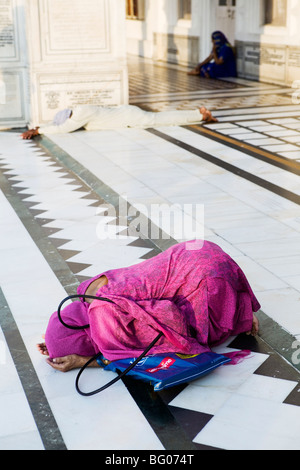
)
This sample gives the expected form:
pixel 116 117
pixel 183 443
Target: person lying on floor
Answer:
pixel 94 118
pixel 193 292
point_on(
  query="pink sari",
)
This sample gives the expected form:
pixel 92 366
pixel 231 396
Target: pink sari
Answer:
pixel 193 292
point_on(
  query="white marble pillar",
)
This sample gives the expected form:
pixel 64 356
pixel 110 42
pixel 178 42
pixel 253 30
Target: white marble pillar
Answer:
pixel 268 52
pixel 206 14
pixel 13 65
pixel 77 55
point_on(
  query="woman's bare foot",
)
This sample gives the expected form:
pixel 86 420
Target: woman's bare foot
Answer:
pixel 42 349
pixel 255 326
pixel 194 72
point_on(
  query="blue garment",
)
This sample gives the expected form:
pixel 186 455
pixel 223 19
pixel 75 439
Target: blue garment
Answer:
pixel 224 51
pixel 227 69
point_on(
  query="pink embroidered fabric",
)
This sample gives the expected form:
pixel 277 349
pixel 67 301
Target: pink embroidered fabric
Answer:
pixel 193 292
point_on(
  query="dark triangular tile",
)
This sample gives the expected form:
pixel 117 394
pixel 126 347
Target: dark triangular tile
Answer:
pixel 93 204
pixel 293 398
pixel 141 243
pixel 67 254
pixel 30 204
pixel 15 182
pixel 73 181
pixel 43 221
pixel 57 242
pixel 82 189
pixel 50 230
pixel 37 212
pixel 192 422
pixel 90 196
pixel 11 175
pixel 23 197
pixel 59 169
pixel 77 267
pixel 83 278
pixel 169 394
pixel 19 188
pixel 151 254
pixel 275 366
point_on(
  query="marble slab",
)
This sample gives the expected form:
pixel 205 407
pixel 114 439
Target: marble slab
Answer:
pixel 13 66
pixel 75 59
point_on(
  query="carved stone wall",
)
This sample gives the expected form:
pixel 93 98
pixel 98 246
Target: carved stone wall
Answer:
pixel 77 54
pixel 13 65
pixel 59 53
pixel 273 63
pixel 176 49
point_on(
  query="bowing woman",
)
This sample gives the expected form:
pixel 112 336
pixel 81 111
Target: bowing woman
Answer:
pixel 193 293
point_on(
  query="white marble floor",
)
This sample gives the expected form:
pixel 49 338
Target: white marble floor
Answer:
pixel 143 168
pixel 32 290
pixel 269 234
pixel 44 205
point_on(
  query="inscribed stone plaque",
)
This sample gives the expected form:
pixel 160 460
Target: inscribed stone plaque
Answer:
pixel 12 101
pixel 293 65
pixel 78 27
pixel 251 60
pixel 58 92
pixel 7 30
pixel 273 63
pixel 239 50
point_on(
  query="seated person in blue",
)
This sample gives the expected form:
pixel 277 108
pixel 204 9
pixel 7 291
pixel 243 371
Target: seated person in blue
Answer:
pixel 220 63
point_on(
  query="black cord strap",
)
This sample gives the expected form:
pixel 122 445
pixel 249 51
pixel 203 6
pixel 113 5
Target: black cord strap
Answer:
pixel 84 296
pixel 72 327
pixel 87 394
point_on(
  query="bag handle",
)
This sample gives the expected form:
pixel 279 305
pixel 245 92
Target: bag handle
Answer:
pixel 116 379
pixel 72 327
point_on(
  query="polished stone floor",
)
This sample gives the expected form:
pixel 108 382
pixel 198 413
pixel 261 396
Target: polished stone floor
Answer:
pixel 68 208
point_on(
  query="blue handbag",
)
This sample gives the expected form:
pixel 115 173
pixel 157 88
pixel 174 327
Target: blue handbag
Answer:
pixel 170 369
pixel 161 370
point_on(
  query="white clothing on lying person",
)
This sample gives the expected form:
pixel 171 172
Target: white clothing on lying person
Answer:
pixel 94 118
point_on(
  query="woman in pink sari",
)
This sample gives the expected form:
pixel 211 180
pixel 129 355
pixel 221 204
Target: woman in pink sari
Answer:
pixel 193 293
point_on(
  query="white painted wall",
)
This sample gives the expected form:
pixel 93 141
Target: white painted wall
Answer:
pixel 252 37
